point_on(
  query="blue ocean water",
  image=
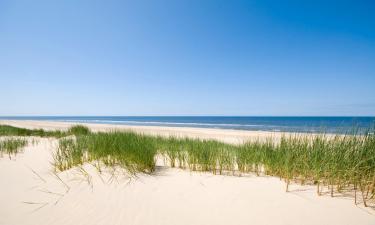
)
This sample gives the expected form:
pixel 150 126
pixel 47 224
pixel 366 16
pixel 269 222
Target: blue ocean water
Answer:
pixel 261 123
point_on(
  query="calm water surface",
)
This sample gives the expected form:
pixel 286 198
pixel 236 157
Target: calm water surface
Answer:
pixel 291 124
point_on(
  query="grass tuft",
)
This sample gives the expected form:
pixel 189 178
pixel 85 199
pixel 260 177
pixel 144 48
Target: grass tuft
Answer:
pixel 131 151
pixel 6 130
pixel 79 130
pixel 12 146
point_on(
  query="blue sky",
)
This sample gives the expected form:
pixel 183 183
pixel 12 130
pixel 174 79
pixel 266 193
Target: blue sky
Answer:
pixel 193 57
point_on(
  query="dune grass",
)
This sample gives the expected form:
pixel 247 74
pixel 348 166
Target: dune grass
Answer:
pixel 6 130
pixel 340 164
pixel 135 153
pixel 79 130
pixel 12 146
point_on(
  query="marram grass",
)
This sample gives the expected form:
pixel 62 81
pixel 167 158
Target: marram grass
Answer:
pixel 341 163
pixel 344 163
pixel 12 146
pixel 79 130
pixel 6 130
pixel 135 153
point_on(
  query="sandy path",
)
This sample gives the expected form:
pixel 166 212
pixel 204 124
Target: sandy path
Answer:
pixel 171 196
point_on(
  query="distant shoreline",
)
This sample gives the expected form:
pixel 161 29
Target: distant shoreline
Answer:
pixel 224 135
pixel 294 124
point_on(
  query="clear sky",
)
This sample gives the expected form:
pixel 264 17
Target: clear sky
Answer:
pixel 193 57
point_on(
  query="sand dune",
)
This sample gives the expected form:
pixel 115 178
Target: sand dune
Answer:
pixel 32 194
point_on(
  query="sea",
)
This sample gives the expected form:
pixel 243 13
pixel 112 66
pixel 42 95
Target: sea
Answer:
pixel 310 124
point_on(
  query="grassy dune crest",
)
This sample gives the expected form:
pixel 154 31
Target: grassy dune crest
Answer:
pixel 340 164
pixel 344 163
pixel 79 130
pixel 6 130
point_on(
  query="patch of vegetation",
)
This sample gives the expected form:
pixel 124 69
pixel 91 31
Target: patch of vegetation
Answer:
pixel 12 146
pixel 76 130
pixel 79 130
pixel 135 153
pixel 342 163
pixel 6 130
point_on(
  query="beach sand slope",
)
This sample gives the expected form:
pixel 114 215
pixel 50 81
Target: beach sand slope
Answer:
pixel 32 194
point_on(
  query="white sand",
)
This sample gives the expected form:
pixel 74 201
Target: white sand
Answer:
pixel 171 196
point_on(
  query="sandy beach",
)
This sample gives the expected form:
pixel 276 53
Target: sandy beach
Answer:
pixel 32 193
pixel 187 112
pixel 223 135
